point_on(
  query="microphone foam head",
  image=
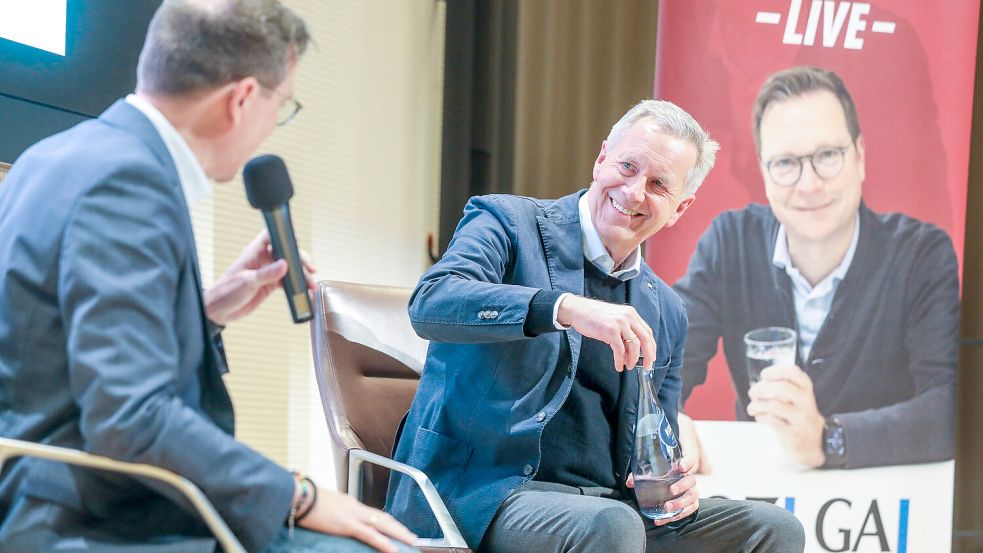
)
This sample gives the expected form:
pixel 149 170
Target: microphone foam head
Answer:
pixel 267 182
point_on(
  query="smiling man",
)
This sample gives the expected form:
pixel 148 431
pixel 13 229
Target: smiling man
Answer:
pixel 524 417
pixel 874 298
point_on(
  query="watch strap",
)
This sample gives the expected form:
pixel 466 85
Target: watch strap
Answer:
pixel 834 443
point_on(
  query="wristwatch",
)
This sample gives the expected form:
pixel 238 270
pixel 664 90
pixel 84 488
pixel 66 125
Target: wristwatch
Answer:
pixel 834 444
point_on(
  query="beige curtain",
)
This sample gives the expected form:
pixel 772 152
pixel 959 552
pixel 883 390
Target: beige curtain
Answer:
pixel 580 66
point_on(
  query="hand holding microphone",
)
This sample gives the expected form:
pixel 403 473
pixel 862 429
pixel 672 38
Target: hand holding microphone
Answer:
pixel 248 282
pixel 258 270
pixel 269 189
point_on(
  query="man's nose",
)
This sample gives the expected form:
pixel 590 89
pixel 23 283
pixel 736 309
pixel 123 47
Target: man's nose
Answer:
pixel 809 180
pixel 635 190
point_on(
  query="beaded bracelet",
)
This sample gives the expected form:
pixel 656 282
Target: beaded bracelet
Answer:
pixel 306 484
pixel 310 506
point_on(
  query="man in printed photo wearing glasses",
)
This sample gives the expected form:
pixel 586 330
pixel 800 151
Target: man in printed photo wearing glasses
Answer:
pixel 874 298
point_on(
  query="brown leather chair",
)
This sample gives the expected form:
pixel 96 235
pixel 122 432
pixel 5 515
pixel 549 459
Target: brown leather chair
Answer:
pixel 368 362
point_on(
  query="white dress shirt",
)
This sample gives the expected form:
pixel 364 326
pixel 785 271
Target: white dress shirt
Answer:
pixel 194 182
pixel 812 303
pixel 595 251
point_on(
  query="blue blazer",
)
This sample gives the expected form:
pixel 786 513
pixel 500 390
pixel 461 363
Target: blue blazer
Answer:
pixel 104 343
pixel 488 390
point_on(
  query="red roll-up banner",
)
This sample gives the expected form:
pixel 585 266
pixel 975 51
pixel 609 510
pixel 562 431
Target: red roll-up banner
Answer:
pixel 909 67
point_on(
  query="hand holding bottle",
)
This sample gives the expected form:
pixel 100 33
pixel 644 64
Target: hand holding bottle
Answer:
pixel 663 490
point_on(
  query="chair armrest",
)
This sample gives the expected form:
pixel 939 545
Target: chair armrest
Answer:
pixel 452 536
pixel 19 448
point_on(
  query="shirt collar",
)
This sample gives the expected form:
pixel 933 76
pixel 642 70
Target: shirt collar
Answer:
pixel 194 181
pixel 597 254
pixel 783 259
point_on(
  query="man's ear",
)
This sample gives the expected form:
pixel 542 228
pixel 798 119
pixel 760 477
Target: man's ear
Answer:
pixel 861 157
pixel 680 209
pixel 601 156
pixel 243 92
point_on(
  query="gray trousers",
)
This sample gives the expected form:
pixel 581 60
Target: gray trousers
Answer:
pixel 554 518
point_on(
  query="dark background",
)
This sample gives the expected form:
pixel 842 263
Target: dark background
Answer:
pixel 42 93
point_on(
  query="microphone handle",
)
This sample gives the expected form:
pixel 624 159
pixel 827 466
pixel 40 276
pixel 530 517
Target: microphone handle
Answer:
pixel 285 247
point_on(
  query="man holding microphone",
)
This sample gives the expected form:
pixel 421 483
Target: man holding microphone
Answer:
pixel 107 343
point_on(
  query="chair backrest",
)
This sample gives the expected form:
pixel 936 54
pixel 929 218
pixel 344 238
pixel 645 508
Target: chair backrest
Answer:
pixel 368 361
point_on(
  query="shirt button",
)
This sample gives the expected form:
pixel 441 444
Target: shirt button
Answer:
pixel 631 427
pixel 649 284
pixel 540 417
pixel 527 470
pixel 818 361
pixel 493 315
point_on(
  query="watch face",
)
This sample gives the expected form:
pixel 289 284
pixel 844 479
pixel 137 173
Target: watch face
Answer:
pixel 834 440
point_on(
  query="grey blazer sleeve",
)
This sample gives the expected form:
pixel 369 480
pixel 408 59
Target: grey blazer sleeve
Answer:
pixel 463 298
pixel 700 294
pixel 922 428
pixel 120 268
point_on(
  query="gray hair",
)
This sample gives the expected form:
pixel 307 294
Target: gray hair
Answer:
pixel 799 81
pixel 197 45
pixel 675 121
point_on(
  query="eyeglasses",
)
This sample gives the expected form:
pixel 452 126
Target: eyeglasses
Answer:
pixel 827 163
pixel 288 109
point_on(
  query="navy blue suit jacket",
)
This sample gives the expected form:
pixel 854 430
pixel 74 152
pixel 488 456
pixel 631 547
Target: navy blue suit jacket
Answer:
pixel 487 390
pixel 104 343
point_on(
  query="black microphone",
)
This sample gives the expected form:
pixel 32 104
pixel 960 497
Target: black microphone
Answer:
pixel 269 189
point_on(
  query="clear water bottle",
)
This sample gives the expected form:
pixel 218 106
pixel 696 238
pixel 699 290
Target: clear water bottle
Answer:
pixel 655 465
